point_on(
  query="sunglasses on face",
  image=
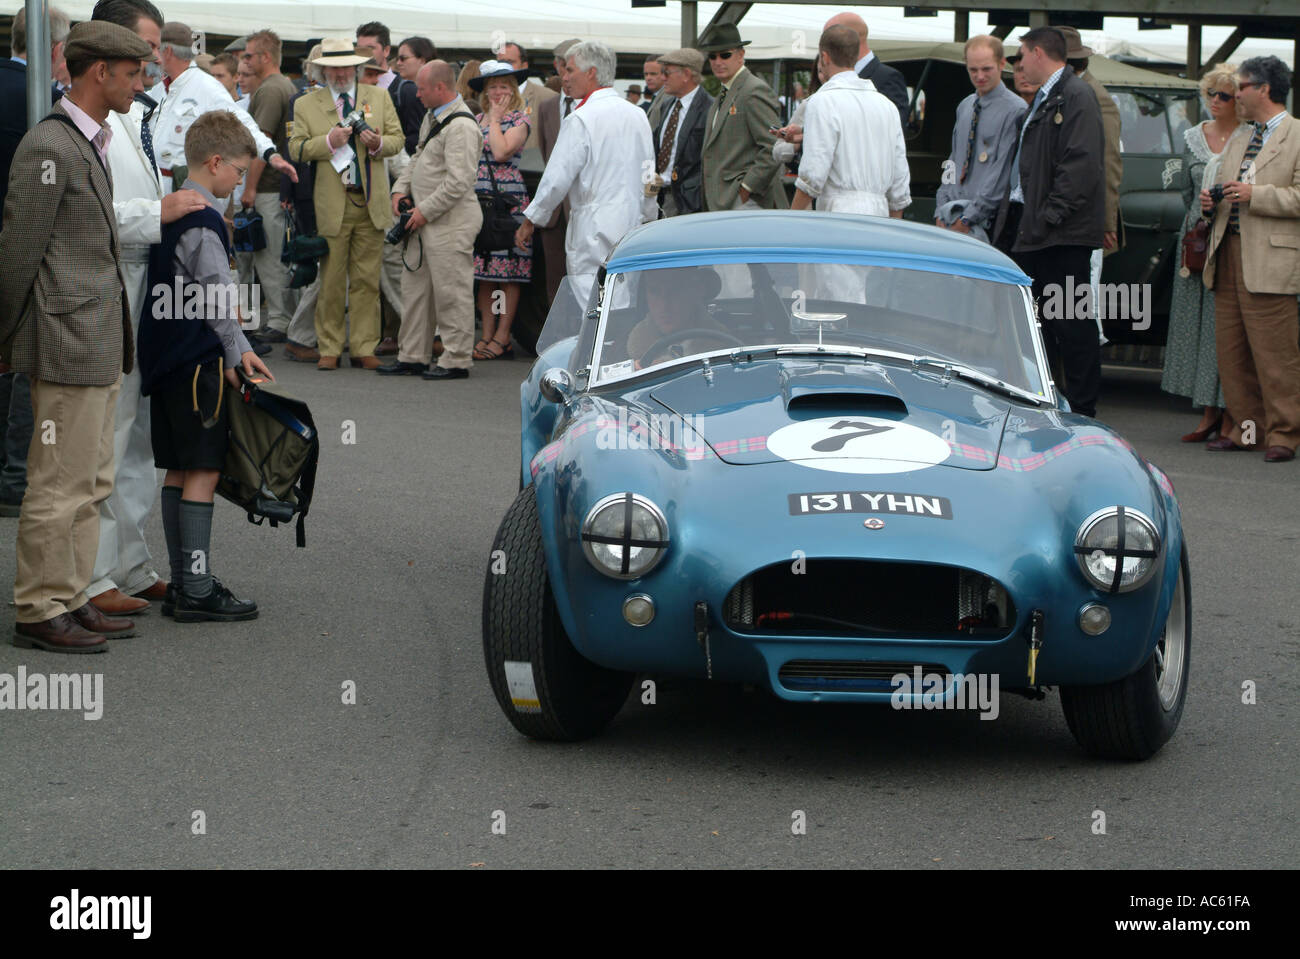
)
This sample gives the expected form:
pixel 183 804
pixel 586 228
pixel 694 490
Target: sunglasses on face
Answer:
pixel 721 55
pixel 1222 97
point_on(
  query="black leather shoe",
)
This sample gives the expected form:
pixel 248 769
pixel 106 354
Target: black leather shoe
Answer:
pixel 401 369
pixel 445 373
pixel 260 348
pixel 269 335
pixel 220 605
pixel 169 601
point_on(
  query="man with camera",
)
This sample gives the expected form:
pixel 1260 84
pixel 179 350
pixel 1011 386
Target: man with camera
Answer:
pixel 439 212
pixel 347 129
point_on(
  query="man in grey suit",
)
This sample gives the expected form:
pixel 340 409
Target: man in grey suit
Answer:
pixel 740 171
pixel 64 321
pixel 679 137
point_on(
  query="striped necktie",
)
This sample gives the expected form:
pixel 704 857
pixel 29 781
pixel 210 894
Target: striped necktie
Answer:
pixel 970 139
pixel 1252 149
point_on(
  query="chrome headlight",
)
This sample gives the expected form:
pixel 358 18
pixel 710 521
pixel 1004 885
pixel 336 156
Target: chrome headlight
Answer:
pixel 1117 549
pixel 624 535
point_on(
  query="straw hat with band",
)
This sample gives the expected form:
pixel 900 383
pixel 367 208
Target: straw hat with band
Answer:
pixel 339 52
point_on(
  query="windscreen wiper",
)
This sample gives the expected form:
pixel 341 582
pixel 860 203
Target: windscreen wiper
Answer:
pixel 950 369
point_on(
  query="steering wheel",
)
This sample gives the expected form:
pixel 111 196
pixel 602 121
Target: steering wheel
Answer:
pixel 663 342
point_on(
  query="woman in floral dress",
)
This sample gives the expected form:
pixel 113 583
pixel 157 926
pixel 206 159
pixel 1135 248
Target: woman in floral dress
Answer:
pixel 501 273
pixel 1191 362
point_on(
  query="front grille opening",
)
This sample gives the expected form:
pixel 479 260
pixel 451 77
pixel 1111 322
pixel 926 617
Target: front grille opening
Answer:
pixel 857 677
pixel 870 598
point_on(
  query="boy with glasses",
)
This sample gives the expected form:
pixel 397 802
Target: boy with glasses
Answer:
pixel 190 344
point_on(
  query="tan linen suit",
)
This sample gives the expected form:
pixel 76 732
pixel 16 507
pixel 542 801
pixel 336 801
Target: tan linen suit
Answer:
pixel 738 146
pixel 1256 277
pixel 64 322
pixel 439 296
pixel 352 224
pixel 548 131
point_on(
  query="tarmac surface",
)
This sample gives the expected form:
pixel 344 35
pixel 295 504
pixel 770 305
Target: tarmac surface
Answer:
pixel 246 725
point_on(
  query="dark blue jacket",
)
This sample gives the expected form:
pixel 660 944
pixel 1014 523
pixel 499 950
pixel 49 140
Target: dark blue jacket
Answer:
pixel 170 344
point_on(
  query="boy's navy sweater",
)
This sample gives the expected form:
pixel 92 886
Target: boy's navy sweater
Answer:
pixel 169 344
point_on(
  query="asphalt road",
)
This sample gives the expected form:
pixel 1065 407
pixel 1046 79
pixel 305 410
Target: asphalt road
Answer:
pixel 246 722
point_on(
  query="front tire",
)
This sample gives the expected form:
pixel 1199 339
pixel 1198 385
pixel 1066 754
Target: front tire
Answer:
pixel 1133 717
pixel 546 688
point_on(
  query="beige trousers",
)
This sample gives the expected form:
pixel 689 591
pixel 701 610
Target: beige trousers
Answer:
pixel 69 473
pixel 438 298
pixel 350 278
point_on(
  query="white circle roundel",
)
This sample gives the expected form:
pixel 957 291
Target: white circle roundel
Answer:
pixel 858 444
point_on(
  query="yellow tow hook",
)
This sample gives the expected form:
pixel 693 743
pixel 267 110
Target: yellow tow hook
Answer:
pixel 1035 643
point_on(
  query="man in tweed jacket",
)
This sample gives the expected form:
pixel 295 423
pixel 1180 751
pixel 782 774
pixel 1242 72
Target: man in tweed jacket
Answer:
pixel 64 322
pixel 739 169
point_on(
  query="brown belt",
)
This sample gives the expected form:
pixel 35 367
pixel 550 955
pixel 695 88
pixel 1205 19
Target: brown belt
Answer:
pixel 164 172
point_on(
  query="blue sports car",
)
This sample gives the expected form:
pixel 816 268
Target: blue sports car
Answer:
pixel 823 454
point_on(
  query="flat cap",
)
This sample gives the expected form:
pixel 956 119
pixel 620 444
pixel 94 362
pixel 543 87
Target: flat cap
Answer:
pixel 687 57
pixel 101 40
pixel 562 49
pixel 177 33
pixel 235 45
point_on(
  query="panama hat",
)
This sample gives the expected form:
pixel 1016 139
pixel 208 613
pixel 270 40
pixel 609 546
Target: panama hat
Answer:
pixel 339 52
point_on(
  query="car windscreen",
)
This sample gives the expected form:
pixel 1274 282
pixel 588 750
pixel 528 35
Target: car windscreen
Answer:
pixel 655 317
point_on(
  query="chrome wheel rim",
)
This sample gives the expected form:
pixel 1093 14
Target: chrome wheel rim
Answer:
pixel 1171 649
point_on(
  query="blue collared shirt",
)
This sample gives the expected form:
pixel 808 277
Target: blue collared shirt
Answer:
pixel 1017 194
pixel 1271 125
pixel 861 64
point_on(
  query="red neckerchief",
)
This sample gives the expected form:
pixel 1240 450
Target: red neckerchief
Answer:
pixel 588 97
pixel 167 84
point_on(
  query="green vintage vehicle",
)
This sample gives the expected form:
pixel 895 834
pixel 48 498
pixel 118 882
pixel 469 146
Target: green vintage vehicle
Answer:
pixel 1155 109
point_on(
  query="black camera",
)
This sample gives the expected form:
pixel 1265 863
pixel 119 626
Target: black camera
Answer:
pixel 1216 194
pixel 357 122
pixel 397 233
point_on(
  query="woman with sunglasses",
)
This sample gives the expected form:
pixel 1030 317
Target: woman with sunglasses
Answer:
pixel 1191 364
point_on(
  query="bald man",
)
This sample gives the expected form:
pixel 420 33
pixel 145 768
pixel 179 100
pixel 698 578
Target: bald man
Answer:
pixel 886 79
pixel 438 297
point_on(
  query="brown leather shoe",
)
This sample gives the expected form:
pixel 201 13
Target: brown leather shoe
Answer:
pixel 88 617
pixel 366 362
pixel 1279 454
pixel 437 347
pixel 301 354
pixel 327 363
pixel 155 593
pixel 62 634
pixel 117 603
pixel 387 347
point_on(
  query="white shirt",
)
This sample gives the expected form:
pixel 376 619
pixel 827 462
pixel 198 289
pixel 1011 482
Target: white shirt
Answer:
pixel 854 156
pixel 189 96
pixel 601 156
pixel 669 106
pixel 137 192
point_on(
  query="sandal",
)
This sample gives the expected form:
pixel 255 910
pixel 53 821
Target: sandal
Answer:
pixel 507 352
